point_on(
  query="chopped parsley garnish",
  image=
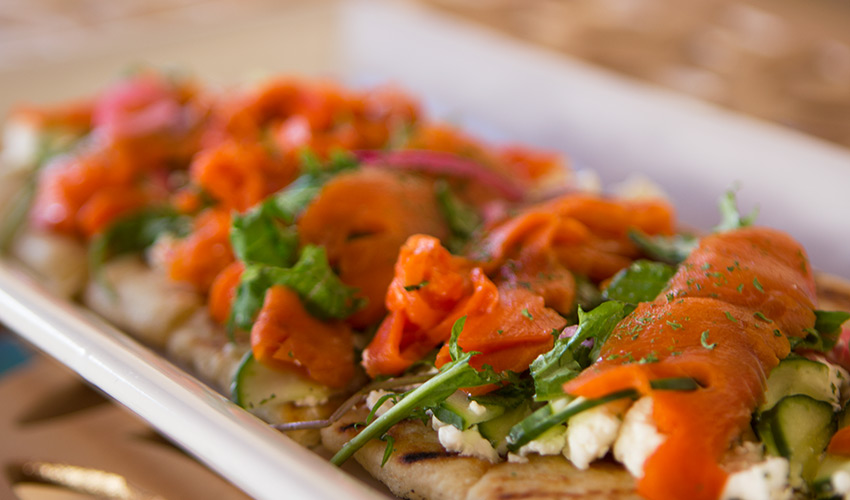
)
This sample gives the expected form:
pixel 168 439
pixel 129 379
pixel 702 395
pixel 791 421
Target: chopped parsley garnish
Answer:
pixel 527 314
pixel 649 358
pixel 704 341
pixel 412 288
pixel 674 325
pixel 758 285
pixel 760 315
pixel 729 316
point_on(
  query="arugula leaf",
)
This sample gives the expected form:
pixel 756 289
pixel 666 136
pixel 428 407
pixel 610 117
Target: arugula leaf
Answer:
pixel 829 322
pixel 640 282
pixel 825 333
pixel 668 249
pixel 258 236
pixel 454 349
pixel 568 356
pixel 516 392
pixel 323 294
pixel 730 218
pixel 461 218
pixel 134 233
pixel 451 377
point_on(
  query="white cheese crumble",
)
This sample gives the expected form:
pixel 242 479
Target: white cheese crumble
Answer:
pixel 476 409
pixel 513 458
pixel 372 399
pixel 550 442
pixel 639 438
pixel 468 443
pixel 767 480
pixel 591 433
pixel 840 482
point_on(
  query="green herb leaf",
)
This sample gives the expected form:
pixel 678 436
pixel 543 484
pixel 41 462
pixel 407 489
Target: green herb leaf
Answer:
pixel 640 282
pixel 668 249
pixel 134 233
pixel 730 218
pixel 248 298
pixel 454 349
pixel 413 288
pixel 829 322
pixel 321 290
pixel 704 341
pixel 568 356
pixel 451 377
pixel 825 333
pixel 461 218
pixel 388 451
pixel 323 294
pixel 259 236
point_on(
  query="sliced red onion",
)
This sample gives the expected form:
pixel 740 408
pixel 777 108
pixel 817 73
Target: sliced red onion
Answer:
pixel 568 332
pixel 437 162
pixel 135 108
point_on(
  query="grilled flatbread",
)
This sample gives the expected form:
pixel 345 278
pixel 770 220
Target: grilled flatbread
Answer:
pixel 421 468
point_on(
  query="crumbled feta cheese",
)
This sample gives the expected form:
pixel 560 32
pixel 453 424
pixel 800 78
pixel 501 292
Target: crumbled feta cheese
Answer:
pixel 638 437
pixel 372 399
pixel 767 480
pixel 550 442
pixel 513 458
pixel 841 483
pixel 591 433
pixel 468 443
pixel 476 409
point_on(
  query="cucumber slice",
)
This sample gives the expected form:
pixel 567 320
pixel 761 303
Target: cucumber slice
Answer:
pixel 798 428
pixel 496 430
pixel 458 410
pixel 797 375
pixel 256 386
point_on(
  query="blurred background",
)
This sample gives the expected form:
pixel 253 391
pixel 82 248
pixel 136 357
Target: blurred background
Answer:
pixel 786 61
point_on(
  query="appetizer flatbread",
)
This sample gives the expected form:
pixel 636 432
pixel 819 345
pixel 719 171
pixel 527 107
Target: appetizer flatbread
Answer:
pixel 524 338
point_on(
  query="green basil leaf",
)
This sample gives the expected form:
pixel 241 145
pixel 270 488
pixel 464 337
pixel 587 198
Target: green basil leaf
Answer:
pixel 319 288
pixel 669 249
pixel 640 282
pixel 258 236
pixel 324 295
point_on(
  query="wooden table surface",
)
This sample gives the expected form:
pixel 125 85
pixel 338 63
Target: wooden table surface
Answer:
pixel 50 415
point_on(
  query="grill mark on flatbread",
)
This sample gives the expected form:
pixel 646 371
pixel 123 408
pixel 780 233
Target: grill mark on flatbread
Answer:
pixel 349 427
pixel 418 456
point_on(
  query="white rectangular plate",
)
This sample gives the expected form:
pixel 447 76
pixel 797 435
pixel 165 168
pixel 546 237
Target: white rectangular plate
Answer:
pixel 619 127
